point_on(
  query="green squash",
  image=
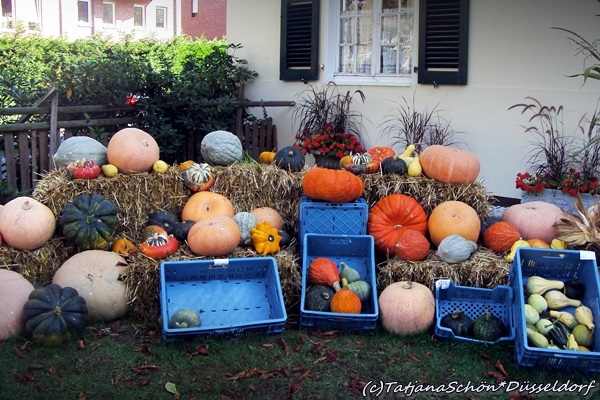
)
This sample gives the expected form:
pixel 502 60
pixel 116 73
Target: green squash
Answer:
pixel 455 249
pixel 165 219
pixel 361 288
pixel 318 298
pixel 54 315
pixel 286 239
pixel 90 222
pixel 393 165
pixel 181 229
pixel 185 318
pixel 488 327
pixel 290 158
pixel 458 322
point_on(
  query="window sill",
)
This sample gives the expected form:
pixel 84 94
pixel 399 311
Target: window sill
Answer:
pixel 373 81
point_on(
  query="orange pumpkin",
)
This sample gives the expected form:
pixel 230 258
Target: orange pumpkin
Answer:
pixel 345 300
pixel 449 164
pixel 26 224
pixel 538 243
pixel 270 215
pixel 391 216
pixel 266 157
pixel 336 186
pixel 453 217
pixel 132 150
pixel 204 204
pixel 214 236
pixel 412 246
pixel 500 236
pixel 124 246
pixel 324 271
pixel 378 153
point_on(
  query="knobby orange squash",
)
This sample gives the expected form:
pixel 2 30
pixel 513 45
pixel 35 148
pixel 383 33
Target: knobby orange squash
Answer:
pixel 449 164
pixel 500 236
pixel 453 218
pixel 391 216
pixel 336 186
pixel 379 153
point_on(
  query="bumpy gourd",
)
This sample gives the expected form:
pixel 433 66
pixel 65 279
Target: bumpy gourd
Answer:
pixel 361 288
pixel 455 248
pixel 245 221
pixel 221 148
pixel 349 273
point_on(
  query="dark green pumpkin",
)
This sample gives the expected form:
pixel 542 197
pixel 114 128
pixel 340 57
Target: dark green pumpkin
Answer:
pixel 318 298
pixel 393 165
pixel 488 327
pixel 54 315
pixel 286 239
pixel 458 322
pixel 181 229
pixel 165 219
pixel 90 222
pixel 289 158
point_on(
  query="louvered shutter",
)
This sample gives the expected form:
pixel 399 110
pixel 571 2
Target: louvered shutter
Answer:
pixel 443 42
pixel 299 40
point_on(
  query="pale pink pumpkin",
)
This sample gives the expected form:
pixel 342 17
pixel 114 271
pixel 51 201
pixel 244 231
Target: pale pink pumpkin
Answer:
pixel 535 219
pixel 14 292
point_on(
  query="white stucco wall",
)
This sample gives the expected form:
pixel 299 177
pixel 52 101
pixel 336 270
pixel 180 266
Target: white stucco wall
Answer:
pixel 513 53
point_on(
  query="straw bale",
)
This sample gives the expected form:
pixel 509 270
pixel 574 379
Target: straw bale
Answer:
pixel 248 186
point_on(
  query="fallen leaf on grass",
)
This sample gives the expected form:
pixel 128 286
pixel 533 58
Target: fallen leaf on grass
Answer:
pixel 285 347
pixel 413 358
pixel 500 368
pixel 171 388
pixel 331 355
pixel 268 345
pixel 316 347
pixel 498 377
pixel 144 369
pixel 19 353
pixel 144 349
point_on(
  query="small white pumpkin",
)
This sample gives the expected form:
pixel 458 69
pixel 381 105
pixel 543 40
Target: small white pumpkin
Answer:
pixel 455 248
pixel 221 148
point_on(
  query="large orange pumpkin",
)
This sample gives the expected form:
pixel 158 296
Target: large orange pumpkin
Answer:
pixel 132 150
pixel 449 164
pixel 26 224
pixel 205 204
pixel 214 236
pixel 534 220
pixel 500 236
pixel 336 186
pixel 391 216
pixel 453 218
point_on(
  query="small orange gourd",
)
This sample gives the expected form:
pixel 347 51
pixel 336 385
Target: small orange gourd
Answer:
pixel 412 245
pixel 324 271
pixel 500 236
pixel 266 157
pixel 124 246
pixel 345 300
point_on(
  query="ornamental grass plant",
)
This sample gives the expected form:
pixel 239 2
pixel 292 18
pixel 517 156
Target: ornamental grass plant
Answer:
pixel 557 160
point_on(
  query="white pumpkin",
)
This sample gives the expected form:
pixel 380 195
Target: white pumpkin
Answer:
pixel 96 274
pixel 535 219
pixel 14 293
pixel 245 221
pixel 221 148
pixel 406 308
pixel 78 147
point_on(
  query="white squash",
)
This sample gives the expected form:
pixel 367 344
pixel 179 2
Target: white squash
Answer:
pixel 96 274
pixel 78 147
pixel 14 293
pixel 406 308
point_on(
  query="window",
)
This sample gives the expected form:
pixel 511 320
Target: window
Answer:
pixel 299 40
pixel 83 11
pixel 161 17
pixel 29 12
pixel 139 14
pixel 375 41
pixel 108 13
pixel 8 21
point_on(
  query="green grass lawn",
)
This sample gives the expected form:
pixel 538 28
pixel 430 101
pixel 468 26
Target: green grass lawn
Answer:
pixel 124 360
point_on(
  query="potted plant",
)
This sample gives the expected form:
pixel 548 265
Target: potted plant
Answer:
pixel 560 166
pixel 327 124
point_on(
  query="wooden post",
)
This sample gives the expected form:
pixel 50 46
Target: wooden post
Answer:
pixel 54 132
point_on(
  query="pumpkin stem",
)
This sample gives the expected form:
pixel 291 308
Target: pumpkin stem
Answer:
pixel 408 285
pixel 26 205
pixel 56 310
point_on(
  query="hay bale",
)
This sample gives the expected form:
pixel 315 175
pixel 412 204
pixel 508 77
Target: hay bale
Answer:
pixel 248 186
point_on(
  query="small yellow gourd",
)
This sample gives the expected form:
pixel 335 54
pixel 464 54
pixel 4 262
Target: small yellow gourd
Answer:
pixel 414 168
pixel 513 249
pixel 583 315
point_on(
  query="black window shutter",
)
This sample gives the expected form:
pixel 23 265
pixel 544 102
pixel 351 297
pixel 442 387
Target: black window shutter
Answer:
pixel 443 42
pixel 299 40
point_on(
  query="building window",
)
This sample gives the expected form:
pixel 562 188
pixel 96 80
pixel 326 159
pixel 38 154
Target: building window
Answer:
pixel 8 21
pixel 108 14
pixel 29 12
pixel 375 40
pixel 139 16
pixel 161 17
pixel 83 11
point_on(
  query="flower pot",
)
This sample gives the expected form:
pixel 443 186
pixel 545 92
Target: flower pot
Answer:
pixel 325 161
pixel 560 199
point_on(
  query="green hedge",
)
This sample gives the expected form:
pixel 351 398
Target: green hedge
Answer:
pixel 186 87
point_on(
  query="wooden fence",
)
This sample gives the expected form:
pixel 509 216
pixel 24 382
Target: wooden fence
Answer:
pixel 29 146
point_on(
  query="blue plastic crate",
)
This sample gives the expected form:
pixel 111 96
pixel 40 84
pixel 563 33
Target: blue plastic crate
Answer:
pixel 356 251
pixel 235 296
pixel 473 302
pixel 561 265
pixel 332 218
